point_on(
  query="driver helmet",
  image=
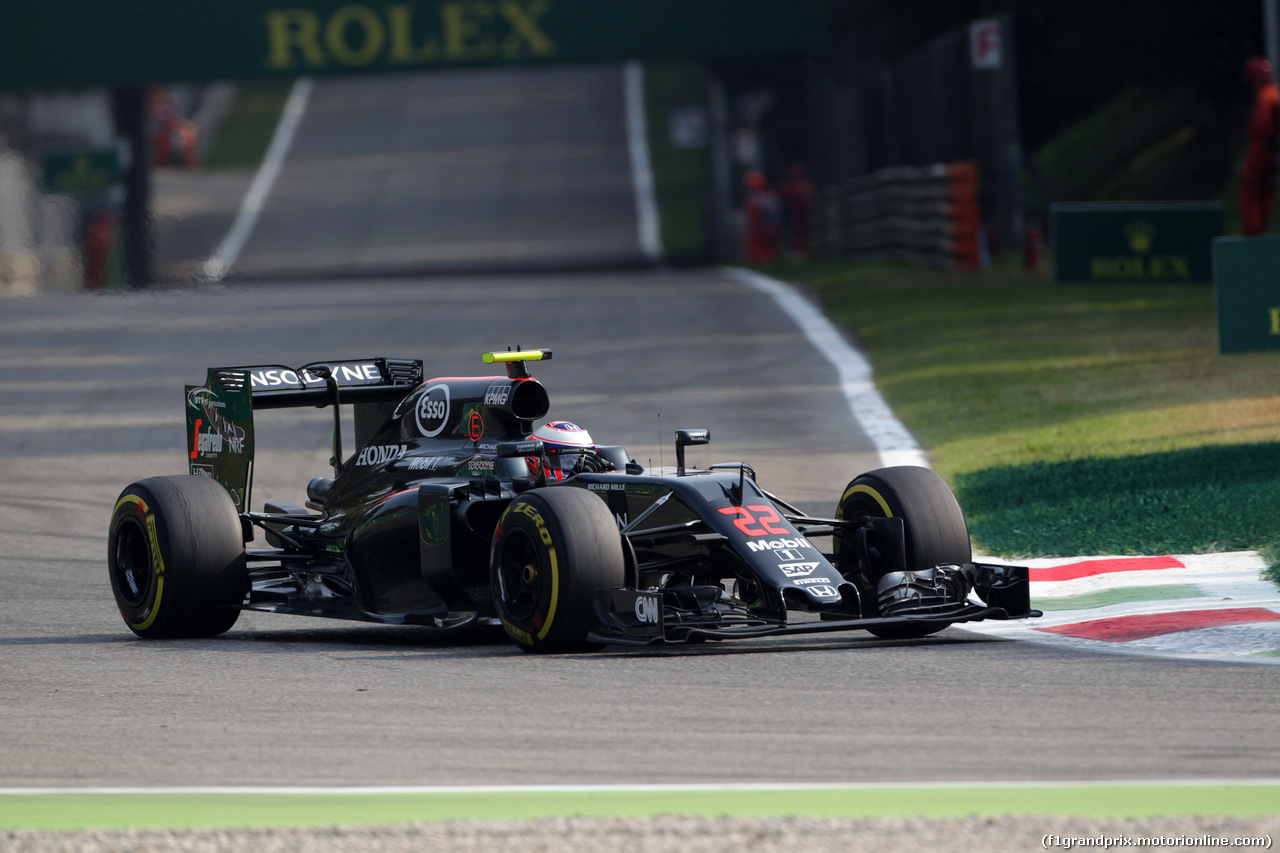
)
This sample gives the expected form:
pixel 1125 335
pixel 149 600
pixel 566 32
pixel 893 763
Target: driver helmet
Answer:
pixel 565 443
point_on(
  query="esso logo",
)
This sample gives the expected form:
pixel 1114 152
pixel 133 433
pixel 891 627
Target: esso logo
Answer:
pixel 432 411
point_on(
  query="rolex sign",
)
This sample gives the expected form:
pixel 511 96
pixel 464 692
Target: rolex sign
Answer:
pixel 1135 242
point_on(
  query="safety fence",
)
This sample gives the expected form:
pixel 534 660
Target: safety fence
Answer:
pixel 926 216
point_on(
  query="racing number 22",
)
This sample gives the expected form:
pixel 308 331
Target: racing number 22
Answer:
pixel 746 521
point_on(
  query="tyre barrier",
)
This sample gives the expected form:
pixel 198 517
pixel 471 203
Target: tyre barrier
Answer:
pixel 927 216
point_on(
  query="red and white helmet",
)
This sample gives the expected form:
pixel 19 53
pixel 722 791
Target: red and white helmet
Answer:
pixel 565 443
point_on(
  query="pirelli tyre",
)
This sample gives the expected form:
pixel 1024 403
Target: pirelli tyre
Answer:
pixel 933 525
pixel 552 549
pixel 175 552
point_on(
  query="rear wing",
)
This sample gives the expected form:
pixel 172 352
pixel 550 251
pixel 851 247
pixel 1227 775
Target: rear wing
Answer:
pixel 220 438
pixel 362 380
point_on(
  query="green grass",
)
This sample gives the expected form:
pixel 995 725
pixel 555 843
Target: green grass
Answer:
pixel 1217 498
pixel 1072 420
pixel 183 810
pixel 1119 595
pixel 244 136
pixel 682 176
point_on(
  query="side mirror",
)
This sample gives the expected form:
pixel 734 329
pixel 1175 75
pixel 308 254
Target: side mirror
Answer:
pixel 686 438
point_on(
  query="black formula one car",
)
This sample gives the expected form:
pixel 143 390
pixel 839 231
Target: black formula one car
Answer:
pixel 447 515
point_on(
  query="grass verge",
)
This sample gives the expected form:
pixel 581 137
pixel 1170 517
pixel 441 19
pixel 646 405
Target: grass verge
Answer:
pixel 73 811
pixel 245 134
pixel 682 175
pixel 1072 419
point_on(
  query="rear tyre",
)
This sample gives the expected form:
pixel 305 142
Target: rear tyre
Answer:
pixel 552 549
pixel 175 553
pixel 934 526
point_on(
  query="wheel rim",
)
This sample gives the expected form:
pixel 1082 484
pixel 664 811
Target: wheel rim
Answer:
pixel 133 572
pixel 520 576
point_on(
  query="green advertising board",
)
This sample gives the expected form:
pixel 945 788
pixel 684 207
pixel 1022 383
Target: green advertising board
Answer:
pixel 81 172
pixel 67 43
pixel 1132 242
pixel 1247 293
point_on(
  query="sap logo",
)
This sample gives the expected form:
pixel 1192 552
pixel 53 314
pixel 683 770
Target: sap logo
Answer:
pixel 823 591
pixel 779 544
pixel 798 570
pixel 381 454
pixel 497 395
pixel 649 609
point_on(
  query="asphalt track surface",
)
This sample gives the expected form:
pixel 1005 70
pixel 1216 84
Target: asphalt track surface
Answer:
pixel 467 171
pixel 90 399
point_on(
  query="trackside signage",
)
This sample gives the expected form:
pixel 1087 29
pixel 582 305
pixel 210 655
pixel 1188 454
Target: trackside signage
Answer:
pixel 65 44
pixel 1246 292
pixel 1134 242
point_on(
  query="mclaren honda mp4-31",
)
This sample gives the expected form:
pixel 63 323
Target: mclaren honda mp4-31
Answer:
pixel 445 515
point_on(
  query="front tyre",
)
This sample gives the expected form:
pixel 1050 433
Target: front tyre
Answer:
pixel 552 549
pixel 175 551
pixel 934 526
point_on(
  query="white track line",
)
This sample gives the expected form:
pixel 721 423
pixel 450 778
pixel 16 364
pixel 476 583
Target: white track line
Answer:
pixel 228 250
pixel 644 788
pixel 641 174
pixel 892 440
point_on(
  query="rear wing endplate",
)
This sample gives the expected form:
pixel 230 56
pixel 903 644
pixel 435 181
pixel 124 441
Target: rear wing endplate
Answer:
pixel 220 440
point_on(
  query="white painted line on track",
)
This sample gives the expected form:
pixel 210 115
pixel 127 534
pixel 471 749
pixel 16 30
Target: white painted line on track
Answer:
pixel 645 788
pixel 219 264
pixel 892 440
pixel 641 173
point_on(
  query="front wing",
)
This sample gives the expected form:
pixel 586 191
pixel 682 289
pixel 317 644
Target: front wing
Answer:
pixel 693 613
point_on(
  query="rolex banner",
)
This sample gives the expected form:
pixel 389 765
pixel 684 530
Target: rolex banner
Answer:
pixel 1134 242
pixel 67 43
